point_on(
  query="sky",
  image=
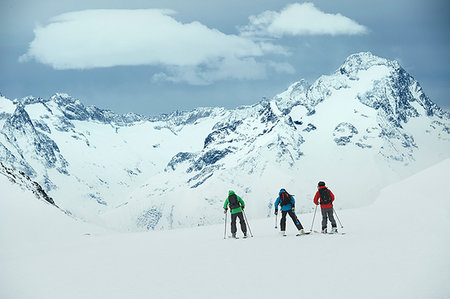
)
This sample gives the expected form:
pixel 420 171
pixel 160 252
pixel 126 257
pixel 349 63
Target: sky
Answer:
pixel 153 57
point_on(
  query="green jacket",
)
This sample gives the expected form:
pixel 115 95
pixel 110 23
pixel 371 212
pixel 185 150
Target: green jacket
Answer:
pixel 237 210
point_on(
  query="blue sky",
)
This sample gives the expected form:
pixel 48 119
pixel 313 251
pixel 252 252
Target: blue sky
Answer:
pixel 154 57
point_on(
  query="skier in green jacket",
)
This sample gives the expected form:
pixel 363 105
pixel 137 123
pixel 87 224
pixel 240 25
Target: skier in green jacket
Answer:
pixel 236 206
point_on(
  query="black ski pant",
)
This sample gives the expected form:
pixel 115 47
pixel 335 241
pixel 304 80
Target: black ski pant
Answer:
pixel 241 220
pixel 328 214
pixel 294 218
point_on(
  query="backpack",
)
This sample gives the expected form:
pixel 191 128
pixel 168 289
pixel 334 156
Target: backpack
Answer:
pixel 325 197
pixel 285 198
pixel 233 201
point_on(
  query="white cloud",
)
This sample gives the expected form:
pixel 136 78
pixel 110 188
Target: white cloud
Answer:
pixel 190 52
pixel 218 69
pixel 300 19
pixel 244 69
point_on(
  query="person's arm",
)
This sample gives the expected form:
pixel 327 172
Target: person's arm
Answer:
pixel 241 201
pixel 331 195
pixel 292 202
pixel 277 203
pixel 225 205
pixel 316 198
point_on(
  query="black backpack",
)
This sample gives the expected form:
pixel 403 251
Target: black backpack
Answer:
pixel 285 198
pixel 325 197
pixel 233 201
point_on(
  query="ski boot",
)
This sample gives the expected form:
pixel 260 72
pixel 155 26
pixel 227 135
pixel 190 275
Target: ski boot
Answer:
pixel 234 236
pixel 245 235
pixel 334 230
pixel 301 232
pixel 283 233
pixel 324 230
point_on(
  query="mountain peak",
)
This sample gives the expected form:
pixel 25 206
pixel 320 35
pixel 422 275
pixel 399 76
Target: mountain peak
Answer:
pixel 19 120
pixel 363 61
pixel 294 95
pixel 28 100
pixel 62 98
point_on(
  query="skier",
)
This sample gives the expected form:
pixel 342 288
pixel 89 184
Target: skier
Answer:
pixel 287 203
pixel 236 206
pixel 326 205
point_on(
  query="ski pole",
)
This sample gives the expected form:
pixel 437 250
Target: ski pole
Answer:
pixel 312 224
pixel 250 230
pixel 338 218
pixel 225 232
pixel 276 221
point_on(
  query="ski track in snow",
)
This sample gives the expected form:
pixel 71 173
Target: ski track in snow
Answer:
pixel 395 248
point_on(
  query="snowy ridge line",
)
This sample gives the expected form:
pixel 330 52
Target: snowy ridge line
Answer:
pixel 24 181
pixel 368 124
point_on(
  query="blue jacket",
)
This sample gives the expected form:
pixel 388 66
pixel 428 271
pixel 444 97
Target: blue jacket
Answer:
pixel 285 207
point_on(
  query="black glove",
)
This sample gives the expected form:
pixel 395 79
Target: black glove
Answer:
pixel 242 207
pixel 276 212
pixel 293 209
pixel 225 211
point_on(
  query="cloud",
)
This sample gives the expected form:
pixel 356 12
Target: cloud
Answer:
pixel 300 19
pixel 204 74
pixel 191 52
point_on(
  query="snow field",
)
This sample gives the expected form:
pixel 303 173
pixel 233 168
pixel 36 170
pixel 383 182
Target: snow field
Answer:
pixel 395 248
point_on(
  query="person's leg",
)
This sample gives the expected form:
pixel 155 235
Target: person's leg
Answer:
pixel 242 221
pixel 283 221
pixel 331 217
pixel 333 222
pixel 324 219
pixel 233 224
pixel 295 219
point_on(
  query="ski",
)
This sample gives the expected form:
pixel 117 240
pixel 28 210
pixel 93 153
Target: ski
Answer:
pixel 305 233
pixel 297 235
pixel 338 233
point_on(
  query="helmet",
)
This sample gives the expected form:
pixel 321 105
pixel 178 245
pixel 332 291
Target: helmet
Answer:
pixel 321 184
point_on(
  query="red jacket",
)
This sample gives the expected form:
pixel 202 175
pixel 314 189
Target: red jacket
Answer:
pixel 328 205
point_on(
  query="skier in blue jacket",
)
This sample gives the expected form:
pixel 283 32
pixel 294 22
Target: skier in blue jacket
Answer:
pixel 287 203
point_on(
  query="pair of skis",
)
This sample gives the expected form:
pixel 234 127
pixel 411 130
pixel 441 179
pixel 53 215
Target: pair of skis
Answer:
pixel 298 234
pixel 307 233
pixel 231 237
pixel 330 233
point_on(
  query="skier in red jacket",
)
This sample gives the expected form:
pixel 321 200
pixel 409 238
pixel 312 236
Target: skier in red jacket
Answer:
pixel 326 204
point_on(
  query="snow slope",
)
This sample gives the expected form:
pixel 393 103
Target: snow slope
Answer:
pixel 395 248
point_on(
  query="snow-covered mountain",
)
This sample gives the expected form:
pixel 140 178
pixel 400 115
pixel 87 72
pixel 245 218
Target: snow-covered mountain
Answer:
pixel 361 128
